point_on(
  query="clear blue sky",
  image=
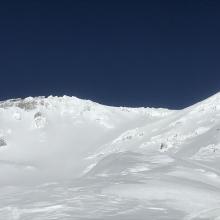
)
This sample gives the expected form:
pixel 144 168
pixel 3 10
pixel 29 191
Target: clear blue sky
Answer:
pixel 131 53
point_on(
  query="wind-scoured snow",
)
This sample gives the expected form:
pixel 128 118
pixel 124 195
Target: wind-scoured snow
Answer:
pixel 64 158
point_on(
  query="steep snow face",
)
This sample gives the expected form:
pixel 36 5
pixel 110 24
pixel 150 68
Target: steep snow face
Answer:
pixel 50 138
pixel 67 158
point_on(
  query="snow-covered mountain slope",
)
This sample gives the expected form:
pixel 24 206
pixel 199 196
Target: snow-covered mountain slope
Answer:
pixel 67 158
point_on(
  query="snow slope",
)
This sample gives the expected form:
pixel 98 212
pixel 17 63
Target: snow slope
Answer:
pixel 66 158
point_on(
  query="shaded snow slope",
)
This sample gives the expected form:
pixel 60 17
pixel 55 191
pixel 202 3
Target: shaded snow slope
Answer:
pixel 67 158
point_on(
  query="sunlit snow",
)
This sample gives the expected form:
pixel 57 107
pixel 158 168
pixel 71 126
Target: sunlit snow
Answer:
pixel 63 158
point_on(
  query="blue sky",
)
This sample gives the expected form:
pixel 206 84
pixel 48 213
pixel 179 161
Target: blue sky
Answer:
pixel 124 53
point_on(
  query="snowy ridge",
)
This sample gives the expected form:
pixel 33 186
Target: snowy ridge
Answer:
pixel 67 102
pixel 77 151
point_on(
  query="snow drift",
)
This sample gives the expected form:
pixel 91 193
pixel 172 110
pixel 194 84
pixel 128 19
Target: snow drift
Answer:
pixel 116 162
